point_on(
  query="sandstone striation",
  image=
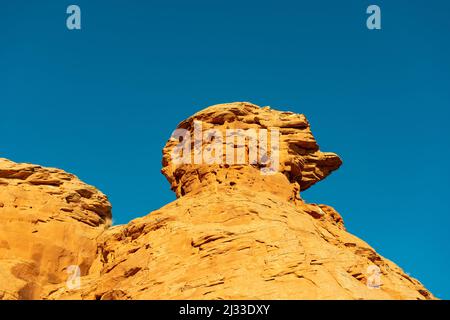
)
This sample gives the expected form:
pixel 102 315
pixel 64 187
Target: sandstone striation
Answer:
pixel 232 233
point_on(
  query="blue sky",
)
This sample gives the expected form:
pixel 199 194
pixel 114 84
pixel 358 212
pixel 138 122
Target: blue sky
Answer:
pixel 102 101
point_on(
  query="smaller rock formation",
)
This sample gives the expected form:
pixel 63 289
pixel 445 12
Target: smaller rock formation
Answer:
pixel 49 220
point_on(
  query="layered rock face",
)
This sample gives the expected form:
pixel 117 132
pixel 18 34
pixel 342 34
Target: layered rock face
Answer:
pixel 300 161
pixel 235 231
pixel 49 220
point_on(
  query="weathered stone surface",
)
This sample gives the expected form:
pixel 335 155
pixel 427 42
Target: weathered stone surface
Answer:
pixel 301 161
pixel 48 220
pixel 233 233
pixel 238 246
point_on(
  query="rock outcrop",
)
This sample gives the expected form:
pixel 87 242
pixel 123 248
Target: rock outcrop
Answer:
pixel 235 231
pixel 49 220
pixel 301 163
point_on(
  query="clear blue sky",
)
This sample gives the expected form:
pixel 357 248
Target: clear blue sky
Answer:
pixel 101 102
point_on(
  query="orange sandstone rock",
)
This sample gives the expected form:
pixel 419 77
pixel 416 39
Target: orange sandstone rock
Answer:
pixel 48 220
pixel 233 232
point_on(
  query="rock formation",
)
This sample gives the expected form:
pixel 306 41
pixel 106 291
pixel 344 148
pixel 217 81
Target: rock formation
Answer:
pixel 232 233
pixel 48 220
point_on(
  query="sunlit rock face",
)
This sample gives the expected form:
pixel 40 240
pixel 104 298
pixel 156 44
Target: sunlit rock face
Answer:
pixel 299 162
pixel 48 220
pixel 238 230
